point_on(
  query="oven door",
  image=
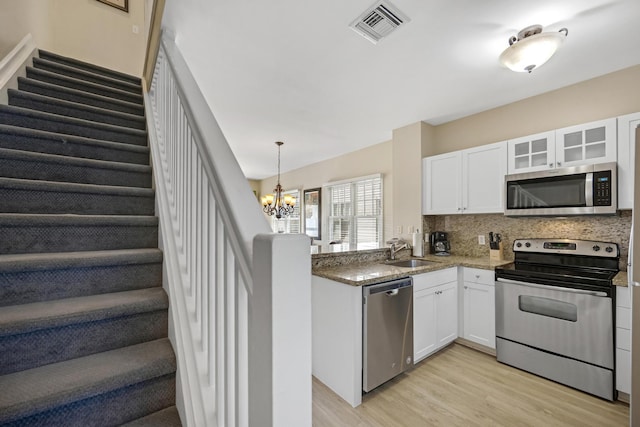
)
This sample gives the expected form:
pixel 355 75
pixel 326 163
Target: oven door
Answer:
pixel 569 322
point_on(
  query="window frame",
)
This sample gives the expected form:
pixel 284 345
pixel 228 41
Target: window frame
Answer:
pixel 352 218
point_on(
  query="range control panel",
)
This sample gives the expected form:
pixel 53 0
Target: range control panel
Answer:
pixel 567 246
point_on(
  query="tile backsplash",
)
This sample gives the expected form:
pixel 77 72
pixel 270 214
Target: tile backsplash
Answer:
pixel 464 230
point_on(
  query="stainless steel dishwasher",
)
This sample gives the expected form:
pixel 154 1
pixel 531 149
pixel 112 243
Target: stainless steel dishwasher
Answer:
pixel 387 340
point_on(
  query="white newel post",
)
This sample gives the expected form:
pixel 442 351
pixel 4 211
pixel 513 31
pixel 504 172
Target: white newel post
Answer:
pixel 280 320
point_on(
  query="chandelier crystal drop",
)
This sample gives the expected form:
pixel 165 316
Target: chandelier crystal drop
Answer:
pixel 277 203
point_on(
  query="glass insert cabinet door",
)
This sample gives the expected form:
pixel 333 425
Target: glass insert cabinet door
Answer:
pixel 593 142
pixel 531 153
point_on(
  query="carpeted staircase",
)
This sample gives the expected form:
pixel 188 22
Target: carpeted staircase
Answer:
pixel 83 315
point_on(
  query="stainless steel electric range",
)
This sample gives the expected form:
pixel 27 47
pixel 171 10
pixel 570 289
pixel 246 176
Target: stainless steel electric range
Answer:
pixel 555 312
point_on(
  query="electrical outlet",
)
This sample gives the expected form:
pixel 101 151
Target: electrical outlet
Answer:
pixel 410 229
pixel 135 29
pixel 399 230
pixel 481 239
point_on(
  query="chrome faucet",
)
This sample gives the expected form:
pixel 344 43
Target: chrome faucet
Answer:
pixel 396 246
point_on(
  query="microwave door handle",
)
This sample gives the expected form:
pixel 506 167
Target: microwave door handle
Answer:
pixel 552 288
pixel 588 190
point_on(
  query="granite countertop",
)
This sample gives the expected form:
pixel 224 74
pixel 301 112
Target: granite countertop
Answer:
pixel 368 273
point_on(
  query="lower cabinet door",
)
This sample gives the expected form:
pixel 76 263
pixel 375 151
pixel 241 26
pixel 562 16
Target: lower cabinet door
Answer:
pixel 424 323
pixel 479 314
pixel 447 309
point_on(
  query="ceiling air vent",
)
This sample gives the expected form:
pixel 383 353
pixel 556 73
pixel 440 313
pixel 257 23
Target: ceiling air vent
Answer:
pixel 378 21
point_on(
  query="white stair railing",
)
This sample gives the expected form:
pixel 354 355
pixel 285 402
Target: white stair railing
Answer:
pixel 240 298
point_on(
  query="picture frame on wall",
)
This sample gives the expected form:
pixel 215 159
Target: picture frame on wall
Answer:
pixel 312 213
pixel 118 4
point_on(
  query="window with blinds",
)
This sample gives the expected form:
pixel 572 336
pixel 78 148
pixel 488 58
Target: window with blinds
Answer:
pixel 355 211
pixel 291 222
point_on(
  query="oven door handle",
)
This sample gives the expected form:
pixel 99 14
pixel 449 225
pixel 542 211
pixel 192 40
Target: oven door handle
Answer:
pixel 549 287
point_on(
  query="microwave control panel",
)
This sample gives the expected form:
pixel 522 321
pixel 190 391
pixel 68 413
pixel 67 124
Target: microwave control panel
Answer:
pixel 602 188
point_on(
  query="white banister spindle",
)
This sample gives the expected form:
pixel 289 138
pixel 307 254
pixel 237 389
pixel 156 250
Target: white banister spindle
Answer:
pixel 239 295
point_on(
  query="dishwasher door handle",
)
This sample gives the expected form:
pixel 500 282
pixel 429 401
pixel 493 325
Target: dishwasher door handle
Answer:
pixel 392 292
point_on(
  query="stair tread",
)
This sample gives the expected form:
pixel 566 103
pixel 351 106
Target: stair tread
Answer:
pixel 43 134
pixel 84 259
pixel 12 219
pixel 10 109
pixel 38 389
pixel 105 80
pixel 33 72
pixel 167 417
pixel 9 153
pixel 75 105
pixel 80 93
pixel 72 187
pixel 66 60
pixel 20 319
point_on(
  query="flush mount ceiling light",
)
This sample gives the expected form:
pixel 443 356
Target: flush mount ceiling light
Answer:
pixel 277 203
pixel 531 48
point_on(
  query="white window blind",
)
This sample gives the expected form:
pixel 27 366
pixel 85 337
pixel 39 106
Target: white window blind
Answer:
pixel 355 211
pixel 291 222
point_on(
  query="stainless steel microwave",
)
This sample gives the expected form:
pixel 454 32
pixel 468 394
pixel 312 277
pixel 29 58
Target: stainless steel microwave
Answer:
pixel 580 190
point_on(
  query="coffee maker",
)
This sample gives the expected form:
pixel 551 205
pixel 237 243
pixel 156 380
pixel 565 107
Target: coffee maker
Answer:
pixel 439 243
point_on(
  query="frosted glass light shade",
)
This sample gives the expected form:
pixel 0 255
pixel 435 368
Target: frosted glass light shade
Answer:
pixel 531 52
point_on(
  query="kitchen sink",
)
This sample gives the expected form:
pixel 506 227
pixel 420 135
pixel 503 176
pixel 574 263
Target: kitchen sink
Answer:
pixel 411 263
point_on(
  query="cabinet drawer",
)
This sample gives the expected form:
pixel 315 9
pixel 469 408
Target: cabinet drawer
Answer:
pixel 623 339
pixel 623 296
pixel 623 317
pixel 434 278
pixel 477 275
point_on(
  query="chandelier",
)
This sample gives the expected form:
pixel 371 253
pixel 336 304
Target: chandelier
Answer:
pixel 278 204
pixel 531 48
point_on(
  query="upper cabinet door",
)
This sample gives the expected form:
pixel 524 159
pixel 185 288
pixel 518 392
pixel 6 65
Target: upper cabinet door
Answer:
pixel 441 184
pixel 483 171
pixel 587 143
pixel 532 153
pixel 626 154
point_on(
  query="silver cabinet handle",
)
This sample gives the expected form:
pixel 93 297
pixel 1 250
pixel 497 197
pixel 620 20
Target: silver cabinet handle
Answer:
pixel 466 287
pixel 550 165
pixel 559 163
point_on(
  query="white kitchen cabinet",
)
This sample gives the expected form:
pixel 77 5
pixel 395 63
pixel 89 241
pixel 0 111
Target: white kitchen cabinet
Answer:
pixel 588 143
pixel 441 184
pixel 435 311
pixel 626 154
pixel 593 142
pixel 531 153
pixel 478 302
pixel 466 181
pixel 623 339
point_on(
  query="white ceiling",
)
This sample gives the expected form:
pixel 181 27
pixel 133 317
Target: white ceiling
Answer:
pixel 294 71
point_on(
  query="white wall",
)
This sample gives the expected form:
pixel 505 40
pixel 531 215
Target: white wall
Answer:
pixel 87 30
pixel 20 17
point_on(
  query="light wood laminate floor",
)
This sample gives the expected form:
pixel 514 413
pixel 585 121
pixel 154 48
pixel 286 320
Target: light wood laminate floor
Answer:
pixel 463 387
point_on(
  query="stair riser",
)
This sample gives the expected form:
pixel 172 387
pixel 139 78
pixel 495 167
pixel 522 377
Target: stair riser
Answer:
pixel 35 286
pixel 111 408
pixel 26 351
pixel 84 129
pixel 25 100
pixel 89 67
pixel 28 201
pixel 35 238
pixel 67 147
pixel 58 92
pixel 86 76
pixel 59 80
pixel 60 172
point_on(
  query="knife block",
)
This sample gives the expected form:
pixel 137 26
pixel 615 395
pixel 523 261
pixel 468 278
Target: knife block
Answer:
pixel 496 254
